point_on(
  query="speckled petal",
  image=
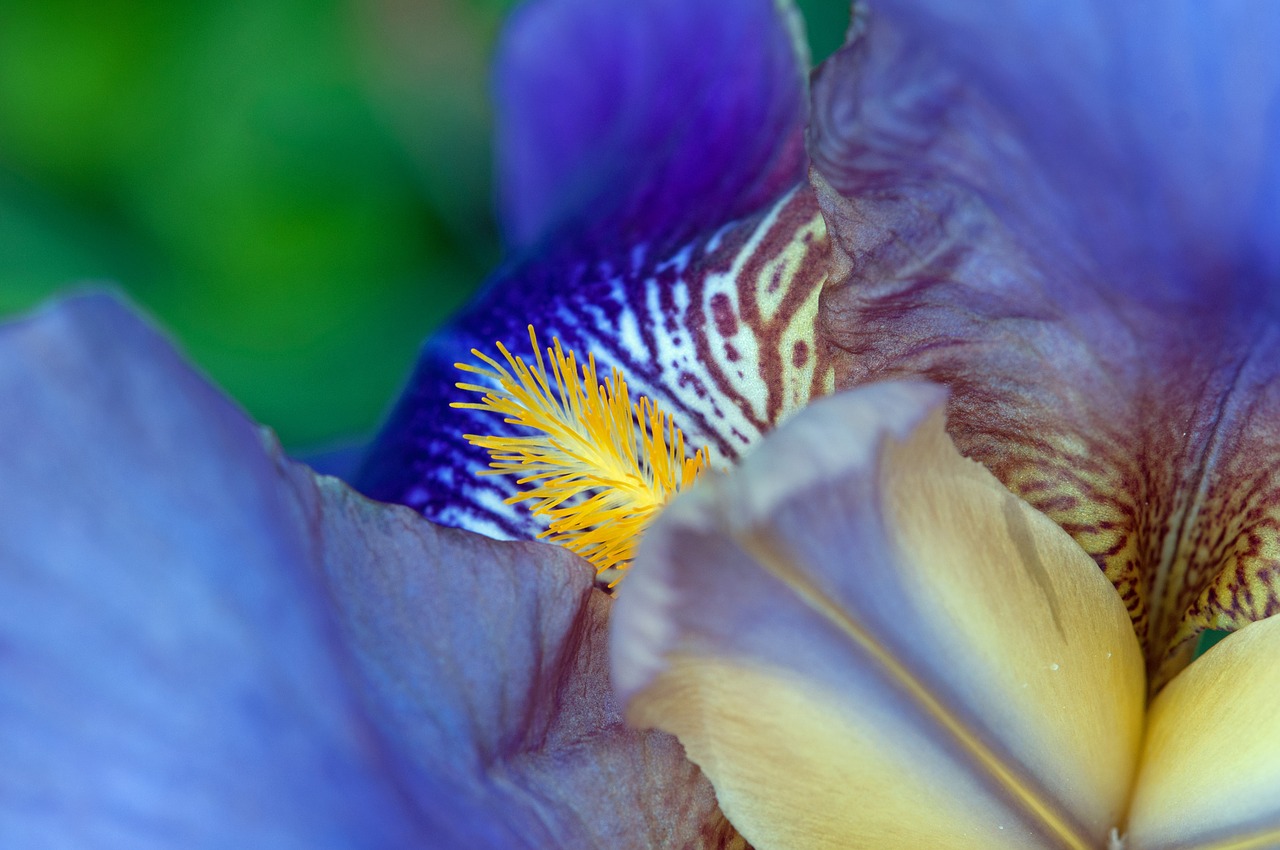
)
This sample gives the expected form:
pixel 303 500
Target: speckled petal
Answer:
pixel 866 641
pixel 203 645
pixel 652 170
pixel 1065 212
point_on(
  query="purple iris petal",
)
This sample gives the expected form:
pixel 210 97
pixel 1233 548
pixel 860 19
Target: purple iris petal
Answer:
pixel 1151 129
pixel 204 645
pixel 1066 212
pixel 625 123
pixel 168 677
pixel 630 136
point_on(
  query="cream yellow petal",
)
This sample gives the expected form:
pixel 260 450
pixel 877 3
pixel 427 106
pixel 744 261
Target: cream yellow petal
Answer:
pixel 866 641
pixel 1210 769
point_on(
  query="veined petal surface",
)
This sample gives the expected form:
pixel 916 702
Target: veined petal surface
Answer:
pixel 203 645
pixel 1210 775
pixel 866 641
pixel 1065 212
pixel 652 162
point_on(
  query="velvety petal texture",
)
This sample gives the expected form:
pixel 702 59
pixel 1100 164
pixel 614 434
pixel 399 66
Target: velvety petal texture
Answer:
pixel 652 167
pixel 488 663
pixel 203 645
pixel 645 122
pixel 1065 212
pixel 866 641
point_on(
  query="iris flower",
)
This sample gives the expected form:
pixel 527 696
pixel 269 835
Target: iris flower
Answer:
pixel 865 640
pixel 1063 214
pixel 652 168
pixel 1066 214
pixel 204 644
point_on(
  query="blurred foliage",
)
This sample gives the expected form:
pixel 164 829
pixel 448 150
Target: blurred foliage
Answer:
pixel 299 190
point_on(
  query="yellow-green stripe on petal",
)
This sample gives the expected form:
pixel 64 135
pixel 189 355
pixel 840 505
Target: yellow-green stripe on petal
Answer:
pixel 866 641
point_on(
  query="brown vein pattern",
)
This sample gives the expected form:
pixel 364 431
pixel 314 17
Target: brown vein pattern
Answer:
pixel 728 336
pixel 1136 405
pixel 723 335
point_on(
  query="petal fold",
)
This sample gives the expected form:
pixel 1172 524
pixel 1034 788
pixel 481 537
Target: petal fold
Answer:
pixel 204 644
pixel 491 667
pixel 865 640
pixel 1061 212
pixel 167 677
pixel 1155 127
pixel 649 121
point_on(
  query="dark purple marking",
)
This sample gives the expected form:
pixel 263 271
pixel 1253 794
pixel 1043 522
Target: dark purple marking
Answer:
pixel 775 281
pixel 799 353
pixel 722 314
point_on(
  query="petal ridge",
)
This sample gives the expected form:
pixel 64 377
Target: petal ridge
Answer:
pixel 1110 355
pixel 830 499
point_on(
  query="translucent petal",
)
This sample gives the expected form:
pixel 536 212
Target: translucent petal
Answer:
pixel 866 641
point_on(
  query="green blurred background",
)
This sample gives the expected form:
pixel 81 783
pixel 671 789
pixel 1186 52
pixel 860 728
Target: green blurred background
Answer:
pixel 298 189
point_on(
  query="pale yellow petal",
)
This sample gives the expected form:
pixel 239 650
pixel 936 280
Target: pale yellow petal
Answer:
pixel 866 641
pixel 1210 770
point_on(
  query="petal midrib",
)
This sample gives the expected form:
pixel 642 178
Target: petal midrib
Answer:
pixel 760 544
pixel 1179 541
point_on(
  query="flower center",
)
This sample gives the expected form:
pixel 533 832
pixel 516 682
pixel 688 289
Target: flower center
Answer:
pixel 597 465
